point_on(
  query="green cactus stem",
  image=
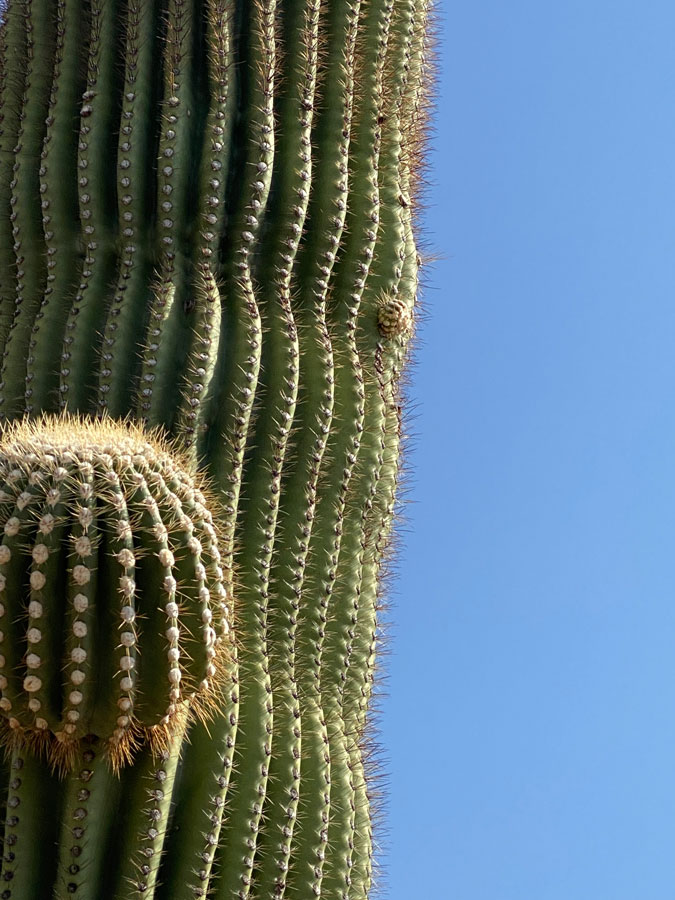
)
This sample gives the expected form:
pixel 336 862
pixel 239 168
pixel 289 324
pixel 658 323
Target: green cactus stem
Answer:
pixel 208 281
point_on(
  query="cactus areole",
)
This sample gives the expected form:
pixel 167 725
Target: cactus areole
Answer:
pixel 208 276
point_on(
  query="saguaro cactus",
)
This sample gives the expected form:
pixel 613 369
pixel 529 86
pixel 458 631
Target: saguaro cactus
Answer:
pixel 208 276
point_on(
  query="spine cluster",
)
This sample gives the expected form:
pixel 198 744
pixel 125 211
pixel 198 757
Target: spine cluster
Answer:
pixel 206 228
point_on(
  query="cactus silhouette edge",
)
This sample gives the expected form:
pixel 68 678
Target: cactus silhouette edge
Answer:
pixel 208 287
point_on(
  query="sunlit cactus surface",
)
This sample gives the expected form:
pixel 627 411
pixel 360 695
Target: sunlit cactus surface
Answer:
pixel 208 280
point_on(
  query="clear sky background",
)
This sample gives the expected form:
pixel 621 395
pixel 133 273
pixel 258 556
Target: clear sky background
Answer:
pixel 530 723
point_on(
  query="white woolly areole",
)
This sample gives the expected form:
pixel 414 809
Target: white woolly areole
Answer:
pixel 127 639
pixel 34 635
pixel 83 546
pixel 47 523
pixel 37 580
pixel 171 609
pixel 12 526
pixel 85 516
pixel 126 558
pixel 126 683
pixel 172 634
pixel 126 663
pixel 23 499
pixel 33 661
pixel 166 557
pixel 77 676
pixel 80 602
pixel 5 554
pixel 81 574
pixel 79 629
pixel 40 553
pixel 35 609
pixel 169 584
pixel 53 497
pixel 78 655
pixel 127 585
pixel 75 697
pixel 32 683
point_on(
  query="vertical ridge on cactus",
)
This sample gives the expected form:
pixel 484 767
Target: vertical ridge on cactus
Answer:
pixel 206 227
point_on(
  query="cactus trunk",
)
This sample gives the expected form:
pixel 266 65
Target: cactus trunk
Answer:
pixel 208 277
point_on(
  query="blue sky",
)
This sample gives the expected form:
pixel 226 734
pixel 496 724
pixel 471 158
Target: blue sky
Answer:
pixel 530 722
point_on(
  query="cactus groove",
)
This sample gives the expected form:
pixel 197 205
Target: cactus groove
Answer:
pixel 208 282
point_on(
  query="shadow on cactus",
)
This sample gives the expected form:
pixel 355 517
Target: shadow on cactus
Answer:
pixel 206 233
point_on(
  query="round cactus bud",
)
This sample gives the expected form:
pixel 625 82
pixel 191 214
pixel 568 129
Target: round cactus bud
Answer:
pixel 394 317
pixel 109 569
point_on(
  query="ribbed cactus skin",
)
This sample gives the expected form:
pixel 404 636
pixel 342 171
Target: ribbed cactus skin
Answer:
pixel 206 238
